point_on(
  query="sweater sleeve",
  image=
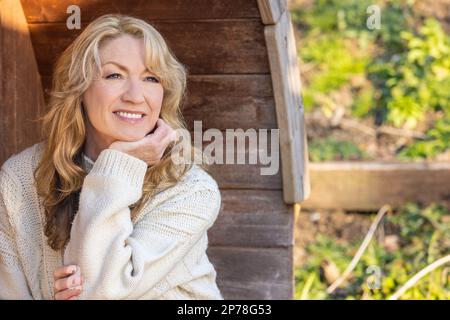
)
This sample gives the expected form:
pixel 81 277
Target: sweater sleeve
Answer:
pixel 122 261
pixel 13 284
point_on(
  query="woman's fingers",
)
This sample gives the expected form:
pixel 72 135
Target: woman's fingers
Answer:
pixel 64 271
pixel 68 294
pixel 67 283
pixel 67 277
pixel 158 132
pixel 152 147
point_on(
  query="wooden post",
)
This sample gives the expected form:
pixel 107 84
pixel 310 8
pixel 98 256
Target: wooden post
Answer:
pixel 282 52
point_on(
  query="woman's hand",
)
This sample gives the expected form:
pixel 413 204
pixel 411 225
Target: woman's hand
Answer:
pixel 68 282
pixel 150 148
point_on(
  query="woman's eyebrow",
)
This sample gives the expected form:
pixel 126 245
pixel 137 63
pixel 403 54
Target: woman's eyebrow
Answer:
pixel 123 67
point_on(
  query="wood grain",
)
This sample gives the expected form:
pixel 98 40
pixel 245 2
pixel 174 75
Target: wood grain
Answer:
pixel 221 47
pixel 55 11
pixel 231 175
pixel 370 185
pixel 286 86
pixel 252 218
pixel 21 97
pixel 271 10
pixel 254 268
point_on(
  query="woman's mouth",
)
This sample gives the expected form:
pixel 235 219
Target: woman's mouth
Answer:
pixel 130 117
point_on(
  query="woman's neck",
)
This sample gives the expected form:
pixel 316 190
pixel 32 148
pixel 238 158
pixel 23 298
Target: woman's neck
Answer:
pixel 95 143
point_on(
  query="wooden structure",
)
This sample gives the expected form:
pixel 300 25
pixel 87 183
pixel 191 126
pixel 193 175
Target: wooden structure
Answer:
pixel 243 73
pixel 367 186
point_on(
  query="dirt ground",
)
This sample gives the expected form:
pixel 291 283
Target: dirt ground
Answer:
pixel 344 227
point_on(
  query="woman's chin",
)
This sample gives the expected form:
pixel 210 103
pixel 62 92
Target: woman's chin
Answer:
pixel 131 137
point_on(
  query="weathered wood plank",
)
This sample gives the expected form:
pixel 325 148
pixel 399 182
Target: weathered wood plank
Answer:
pixel 241 85
pixel 268 268
pixel 21 98
pixel 244 176
pixel 286 86
pixel 55 11
pixel 221 112
pixel 242 290
pixel 231 85
pixel 231 101
pixel 253 218
pixel 271 10
pixel 205 47
pixel 369 185
pixel 231 175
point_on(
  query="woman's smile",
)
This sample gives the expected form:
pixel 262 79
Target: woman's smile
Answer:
pixel 133 118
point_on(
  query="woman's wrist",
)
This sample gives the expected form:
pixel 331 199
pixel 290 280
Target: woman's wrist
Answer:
pixel 115 163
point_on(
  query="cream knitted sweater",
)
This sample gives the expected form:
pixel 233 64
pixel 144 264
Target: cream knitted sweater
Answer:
pixel 159 255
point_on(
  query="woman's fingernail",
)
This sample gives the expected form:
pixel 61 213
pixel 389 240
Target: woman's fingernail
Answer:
pixel 78 288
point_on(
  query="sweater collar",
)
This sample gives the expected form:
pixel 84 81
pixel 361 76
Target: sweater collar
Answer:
pixel 87 163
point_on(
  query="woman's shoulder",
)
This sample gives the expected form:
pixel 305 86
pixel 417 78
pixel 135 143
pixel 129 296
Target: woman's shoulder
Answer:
pixel 22 160
pixel 197 177
pixel 17 171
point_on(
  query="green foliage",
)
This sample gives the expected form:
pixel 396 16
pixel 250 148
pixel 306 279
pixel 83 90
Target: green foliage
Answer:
pixel 424 237
pixel 336 66
pixel 330 149
pixel 398 74
pixel 333 68
pixel 334 15
pixel 438 142
pixel 417 80
pixel 363 101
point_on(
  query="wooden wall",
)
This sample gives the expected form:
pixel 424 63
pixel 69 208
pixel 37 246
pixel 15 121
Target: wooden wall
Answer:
pixel 21 99
pixel 222 43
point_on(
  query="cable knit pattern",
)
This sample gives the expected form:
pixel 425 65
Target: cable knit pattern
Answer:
pixel 159 255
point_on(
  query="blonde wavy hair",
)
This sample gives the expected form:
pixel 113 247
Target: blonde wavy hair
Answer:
pixel 59 175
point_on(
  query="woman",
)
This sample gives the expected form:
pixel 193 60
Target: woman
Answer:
pixel 98 210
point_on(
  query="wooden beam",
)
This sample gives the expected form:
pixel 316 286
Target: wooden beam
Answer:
pixel 367 186
pixel 21 96
pixel 254 273
pixel 253 218
pixel 205 47
pixel 247 175
pixel 271 10
pixel 282 53
pixel 55 11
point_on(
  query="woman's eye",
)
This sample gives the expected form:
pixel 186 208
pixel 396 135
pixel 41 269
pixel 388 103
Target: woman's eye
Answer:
pixel 152 79
pixel 113 76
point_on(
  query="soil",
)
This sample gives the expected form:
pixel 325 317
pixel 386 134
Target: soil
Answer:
pixel 342 226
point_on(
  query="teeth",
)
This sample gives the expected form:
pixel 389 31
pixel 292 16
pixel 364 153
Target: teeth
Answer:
pixel 130 115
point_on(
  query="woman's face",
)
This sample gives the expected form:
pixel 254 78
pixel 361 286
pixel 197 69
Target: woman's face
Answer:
pixel 125 90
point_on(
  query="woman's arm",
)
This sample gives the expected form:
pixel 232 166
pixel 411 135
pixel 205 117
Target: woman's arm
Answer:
pixel 122 261
pixel 13 284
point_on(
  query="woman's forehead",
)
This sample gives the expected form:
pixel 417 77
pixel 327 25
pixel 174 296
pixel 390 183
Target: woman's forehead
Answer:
pixel 124 50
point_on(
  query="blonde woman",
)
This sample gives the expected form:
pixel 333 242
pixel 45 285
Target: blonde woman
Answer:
pixel 98 210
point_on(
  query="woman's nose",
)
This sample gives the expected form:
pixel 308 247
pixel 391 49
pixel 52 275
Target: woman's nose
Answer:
pixel 134 92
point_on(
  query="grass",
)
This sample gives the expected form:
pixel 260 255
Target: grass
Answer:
pixel 414 237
